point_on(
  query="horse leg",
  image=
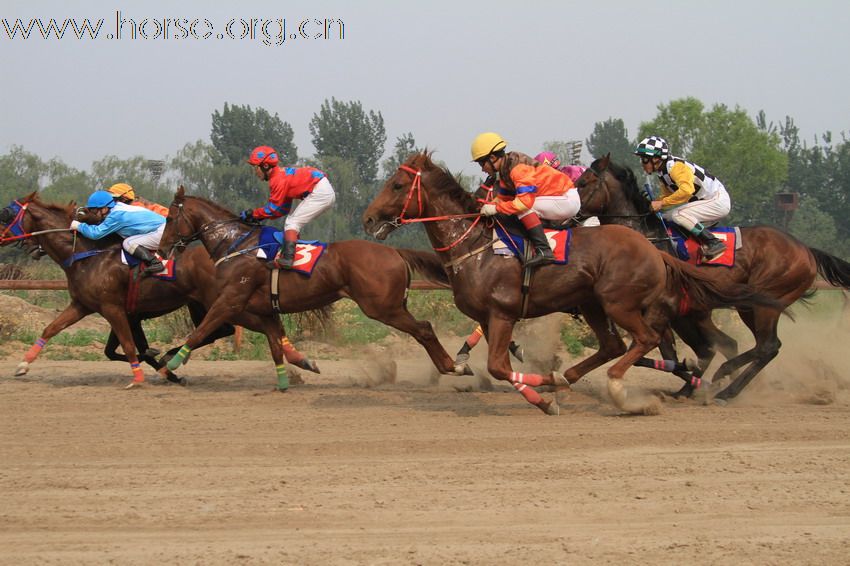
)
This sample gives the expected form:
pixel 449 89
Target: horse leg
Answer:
pixel 645 338
pixel 611 345
pixel 117 319
pixel 227 306
pixel 400 318
pixel 72 314
pixel 273 329
pixel 499 333
pixel 763 323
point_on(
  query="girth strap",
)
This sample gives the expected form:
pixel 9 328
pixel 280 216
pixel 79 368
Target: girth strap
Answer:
pixel 275 290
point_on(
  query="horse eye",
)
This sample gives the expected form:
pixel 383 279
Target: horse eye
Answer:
pixel 397 186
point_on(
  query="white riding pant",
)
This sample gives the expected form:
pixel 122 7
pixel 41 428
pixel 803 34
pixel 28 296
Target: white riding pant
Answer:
pixel 704 211
pixel 557 209
pixel 319 200
pixel 149 240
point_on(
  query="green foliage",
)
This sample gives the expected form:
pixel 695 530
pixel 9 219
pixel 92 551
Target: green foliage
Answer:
pixel 405 146
pixel 236 130
pixel 611 136
pixel 345 130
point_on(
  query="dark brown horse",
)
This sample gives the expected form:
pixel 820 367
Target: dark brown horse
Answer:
pixel 612 273
pixel 375 277
pixel 98 281
pixel 770 261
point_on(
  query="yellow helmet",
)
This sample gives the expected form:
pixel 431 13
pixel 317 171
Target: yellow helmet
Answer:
pixel 119 190
pixel 486 143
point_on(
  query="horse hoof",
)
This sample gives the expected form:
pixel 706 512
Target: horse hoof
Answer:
pixel 308 365
pixel 463 369
pixel 552 409
pixel 22 369
pixel 134 385
pixel 720 402
pixel 559 380
pixel 617 392
pixel 461 359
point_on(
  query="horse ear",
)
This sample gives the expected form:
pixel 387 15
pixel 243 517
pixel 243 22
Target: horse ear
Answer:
pixel 181 192
pixel 606 160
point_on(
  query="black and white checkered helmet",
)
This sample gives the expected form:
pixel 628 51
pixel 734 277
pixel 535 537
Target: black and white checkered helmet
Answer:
pixel 653 146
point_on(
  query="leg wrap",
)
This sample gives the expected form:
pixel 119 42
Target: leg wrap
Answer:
pixel 530 394
pixel 179 358
pixel 289 352
pixel 531 379
pixel 34 350
pixel 138 373
pixel 282 378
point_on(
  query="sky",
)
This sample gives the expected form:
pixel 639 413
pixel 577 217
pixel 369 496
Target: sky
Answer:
pixel 445 71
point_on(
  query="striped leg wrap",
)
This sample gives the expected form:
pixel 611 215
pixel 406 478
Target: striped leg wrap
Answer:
pixel 179 358
pixel 530 394
pixel 138 373
pixel 282 378
pixel 531 379
pixel 34 350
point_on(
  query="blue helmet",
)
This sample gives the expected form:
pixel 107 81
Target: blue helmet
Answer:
pixel 99 199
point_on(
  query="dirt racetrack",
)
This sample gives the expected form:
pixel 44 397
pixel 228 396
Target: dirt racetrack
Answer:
pixel 373 462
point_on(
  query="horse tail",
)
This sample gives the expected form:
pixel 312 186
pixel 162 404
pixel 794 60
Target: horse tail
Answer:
pixel 427 264
pixel 833 269
pixel 704 292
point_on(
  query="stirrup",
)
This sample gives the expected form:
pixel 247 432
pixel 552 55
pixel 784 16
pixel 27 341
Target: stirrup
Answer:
pixel 712 251
pixel 540 259
pixel 154 268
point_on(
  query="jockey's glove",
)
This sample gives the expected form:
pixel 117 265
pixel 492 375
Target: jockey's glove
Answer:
pixel 488 209
pixel 247 216
pixel 75 224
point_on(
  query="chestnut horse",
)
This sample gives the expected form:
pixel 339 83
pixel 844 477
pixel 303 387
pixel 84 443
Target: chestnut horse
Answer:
pixel 374 276
pixel 98 281
pixel 772 262
pixel 612 272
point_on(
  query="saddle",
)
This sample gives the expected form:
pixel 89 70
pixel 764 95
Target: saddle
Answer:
pixel 688 248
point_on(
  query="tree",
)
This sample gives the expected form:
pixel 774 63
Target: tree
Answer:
pixel 236 130
pixel 612 137
pixel 679 122
pixel 405 146
pixel 344 129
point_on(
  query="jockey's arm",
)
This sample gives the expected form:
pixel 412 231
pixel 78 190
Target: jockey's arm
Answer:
pixel 522 177
pixel 684 179
pixel 109 226
pixel 279 204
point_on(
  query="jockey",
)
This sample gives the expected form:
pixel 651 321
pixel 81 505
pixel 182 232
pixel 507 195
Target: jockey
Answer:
pixel 527 189
pixel 122 192
pixel 285 185
pixel 551 159
pixel 141 228
pixel 690 195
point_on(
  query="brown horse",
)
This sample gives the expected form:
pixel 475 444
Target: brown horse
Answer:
pixel 770 261
pixel 98 281
pixel 612 273
pixel 375 277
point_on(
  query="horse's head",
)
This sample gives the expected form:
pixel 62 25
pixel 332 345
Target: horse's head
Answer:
pixel 418 189
pixel 193 218
pixel 593 189
pixel 179 227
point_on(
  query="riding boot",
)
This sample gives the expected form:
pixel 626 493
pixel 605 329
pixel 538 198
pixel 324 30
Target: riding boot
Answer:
pixel 147 256
pixel 711 245
pixel 540 242
pixel 287 256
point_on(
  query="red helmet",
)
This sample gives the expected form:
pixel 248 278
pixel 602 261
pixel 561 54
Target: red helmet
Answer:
pixel 263 155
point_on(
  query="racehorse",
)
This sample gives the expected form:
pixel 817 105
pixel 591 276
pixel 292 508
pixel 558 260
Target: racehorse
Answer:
pixel 612 273
pixel 98 282
pixel 771 261
pixel 374 276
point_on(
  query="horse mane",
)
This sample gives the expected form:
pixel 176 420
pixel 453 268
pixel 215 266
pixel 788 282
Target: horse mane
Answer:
pixel 631 190
pixel 67 209
pixel 444 182
pixel 217 207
